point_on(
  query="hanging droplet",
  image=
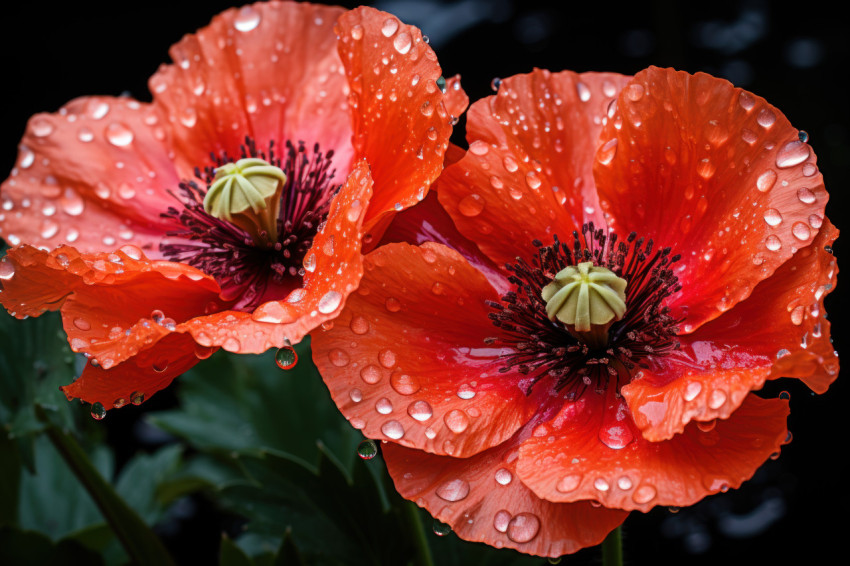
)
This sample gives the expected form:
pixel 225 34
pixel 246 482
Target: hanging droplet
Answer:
pixel 367 449
pixel 286 358
pixel 98 411
pixel 495 83
pixel 785 395
pixel 137 398
pixel 441 84
pixel 441 529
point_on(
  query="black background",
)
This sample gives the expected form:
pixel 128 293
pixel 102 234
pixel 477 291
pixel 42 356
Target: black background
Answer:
pixel 796 57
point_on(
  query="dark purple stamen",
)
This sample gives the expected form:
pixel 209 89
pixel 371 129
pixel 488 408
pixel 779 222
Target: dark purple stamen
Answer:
pixel 544 348
pixel 244 269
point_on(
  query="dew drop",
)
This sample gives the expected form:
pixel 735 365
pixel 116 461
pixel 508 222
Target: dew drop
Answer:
pixel 387 358
pixel 98 411
pixel 330 302
pixel 692 390
pixel 569 483
pixel 601 484
pixel 402 42
pixel 367 449
pixel 801 231
pixel 286 357
pixel 356 395
pixel 420 411
pixel 501 520
pixel 465 391
pixel 717 399
pixel 607 152
pixel 370 374
pixel 392 304
pixel 338 357
pixel 247 19
pixel 624 483
pixel 359 325
pixel 404 384
pixel 766 180
pixel 7 270
pixel 503 476
pixel 784 395
pixel 357 31
pixel 471 205
pixel 390 27
pixel 440 529
pixel 384 406
pixel 523 527
pixel 805 195
pixel 82 324
pixel 772 243
pixel 457 421
pixel 792 153
pixel 393 429
pixel 119 134
pixel 635 92
pixel 772 217
pixel 797 315
pixel 644 494
pixel 766 118
pixel 41 127
pixel 583 91
pixel 453 490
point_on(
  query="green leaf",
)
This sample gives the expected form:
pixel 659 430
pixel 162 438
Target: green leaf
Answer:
pixel 247 405
pixel 140 479
pixel 332 518
pixel 22 548
pixel 232 555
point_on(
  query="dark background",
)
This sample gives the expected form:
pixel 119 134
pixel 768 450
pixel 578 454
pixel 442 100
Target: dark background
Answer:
pixel 797 58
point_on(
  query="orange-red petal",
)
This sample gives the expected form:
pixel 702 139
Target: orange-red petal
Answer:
pixel 527 174
pixel 137 379
pixel 94 175
pixel 113 305
pixel 267 70
pixel 779 331
pixel 407 360
pixel 454 97
pixel 333 268
pixel 400 122
pixel 570 462
pixel 714 172
pixel 483 501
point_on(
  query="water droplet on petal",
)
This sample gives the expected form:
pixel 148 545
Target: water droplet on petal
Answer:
pixel 390 27
pixel 523 527
pixel 420 411
pixel 644 494
pixel 471 205
pixel 392 304
pixel 137 398
pixel 453 490
pixel 772 217
pixel 247 19
pixel 457 421
pixel 371 374
pixel 601 484
pixel 501 520
pixel 503 476
pixel 766 180
pixel 607 152
pixel 393 429
pixel 766 118
pixel 692 390
pixel 402 42
pixel 119 134
pixel 624 483
pixel 286 357
pixel 569 483
pixel 7 270
pixel 330 302
pixel 792 153
pixel 404 384
pixel 801 231
pixel 773 243
pixel 359 325
pixel 717 399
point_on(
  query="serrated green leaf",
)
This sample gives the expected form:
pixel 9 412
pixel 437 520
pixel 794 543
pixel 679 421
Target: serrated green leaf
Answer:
pixel 247 405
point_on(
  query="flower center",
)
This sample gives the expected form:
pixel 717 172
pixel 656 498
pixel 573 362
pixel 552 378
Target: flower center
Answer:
pixel 249 222
pixel 589 314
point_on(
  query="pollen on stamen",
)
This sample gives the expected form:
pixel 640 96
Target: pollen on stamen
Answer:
pixel 252 270
pixel 543 349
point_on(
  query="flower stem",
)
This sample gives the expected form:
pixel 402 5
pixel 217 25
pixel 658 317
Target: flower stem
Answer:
pixel 417 533
pixel 612 548
pixel 140 542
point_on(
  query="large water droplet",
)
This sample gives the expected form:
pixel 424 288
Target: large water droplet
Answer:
pixel 644 494
pixel 457 421
pixel 330 302
pixel 523 527
pixel 137 398
pixel 692 390
pixel 420 411
pixel 286 358
pixel 402 42
pixel 453 490
pixel 792 153
pixel 766 180
pixel 393 429
pixel 389 27
pixel 607 152
pixel 359 325
pixel 801 231
pixel 503 476
pixel 772 217
pixel 371 374
pixel 773 243
pixel 569 483
pixel 404 384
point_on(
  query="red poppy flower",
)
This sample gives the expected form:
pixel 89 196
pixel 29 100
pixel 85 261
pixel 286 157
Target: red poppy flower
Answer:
pixel 526 406
pixel 152 272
